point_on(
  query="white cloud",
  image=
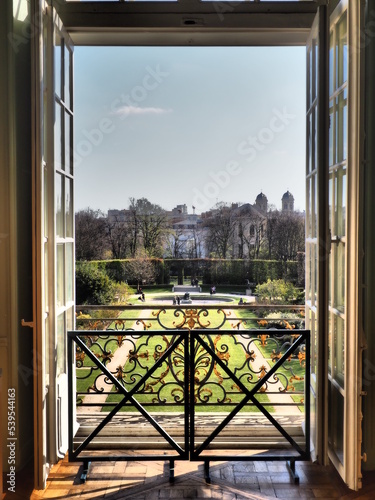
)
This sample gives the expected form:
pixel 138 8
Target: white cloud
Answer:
pixel 137 110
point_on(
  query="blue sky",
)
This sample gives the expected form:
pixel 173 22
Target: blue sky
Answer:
pixel 192 125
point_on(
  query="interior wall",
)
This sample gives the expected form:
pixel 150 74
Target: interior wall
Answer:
pixel 368 381
pixel 15 225
pixel 4 228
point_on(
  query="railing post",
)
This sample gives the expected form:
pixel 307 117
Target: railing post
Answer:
pixel 70 395
pixel 191 393
pixel 187 392
pixel 307 393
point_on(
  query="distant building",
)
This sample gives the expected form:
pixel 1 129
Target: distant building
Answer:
pixel 115 215
pixel 287 202
pixel 261 203
pixel 179 210
pixel 185 240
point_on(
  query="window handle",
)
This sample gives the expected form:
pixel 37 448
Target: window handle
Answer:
pixel 29 324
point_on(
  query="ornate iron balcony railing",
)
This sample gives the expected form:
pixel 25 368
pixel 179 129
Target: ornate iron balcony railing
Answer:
pixel 189 382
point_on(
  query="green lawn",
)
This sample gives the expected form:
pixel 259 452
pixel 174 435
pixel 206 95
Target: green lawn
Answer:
pixel 213 387
pixel 101 345
pixel 164 390
pixel 292 372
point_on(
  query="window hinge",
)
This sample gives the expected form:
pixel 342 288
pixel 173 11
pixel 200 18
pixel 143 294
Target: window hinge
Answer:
pixel 29 324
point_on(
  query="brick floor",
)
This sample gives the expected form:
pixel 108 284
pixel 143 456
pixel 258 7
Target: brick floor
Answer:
pixel 229 481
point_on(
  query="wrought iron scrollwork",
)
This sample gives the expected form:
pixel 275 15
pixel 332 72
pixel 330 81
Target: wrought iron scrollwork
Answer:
pixel 191 318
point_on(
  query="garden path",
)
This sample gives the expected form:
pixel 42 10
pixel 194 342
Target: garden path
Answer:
pixel 283 402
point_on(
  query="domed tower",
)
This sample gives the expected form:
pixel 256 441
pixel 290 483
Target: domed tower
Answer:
pixel 287 202
pixel 261 203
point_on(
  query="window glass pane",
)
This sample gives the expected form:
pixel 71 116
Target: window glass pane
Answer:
pixel 315 220
pixel 340 202
pixel 344 104
pixel 308 80
pixel 310 143
pixel 314 341
pixel 45 95
pixel 339 279
pixel 342 63
pixel 67 66
pixel 330 295
pixel 57 56
pixel 311 76
pixel 336 421
pixel 310 279
pixel 310 273
pixel 46 276
pixel 59 199
pixel 341 126
pixel 331 134
pixel 58 137
pixel 60 344
pixel 68 208
pixel 69 272
pixel 308 208
pixel 68 143
pixel 315 138
pixel 315 264
pixel 313 70
pixel 339 350
pixel 60 276
pixel 331 202
pixel 45 201
pixel 331 65
pixel 329 343
pixel 316 66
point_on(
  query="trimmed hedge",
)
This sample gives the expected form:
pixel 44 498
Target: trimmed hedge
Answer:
pixel 212 271
pixel 117 271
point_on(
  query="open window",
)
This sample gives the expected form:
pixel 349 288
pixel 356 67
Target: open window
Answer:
pixel 332 184
pixel 54 237
pixel 332 308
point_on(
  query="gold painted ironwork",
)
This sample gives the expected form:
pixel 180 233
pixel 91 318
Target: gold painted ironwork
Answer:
pixel 210 380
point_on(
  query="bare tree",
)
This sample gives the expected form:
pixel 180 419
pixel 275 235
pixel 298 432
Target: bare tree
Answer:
pixel 119 236
pixel 176 244
pixel 90 234
pixel 141 269
pixel 197 238
pixel 149 226
pixel 285 235
pixel 221 230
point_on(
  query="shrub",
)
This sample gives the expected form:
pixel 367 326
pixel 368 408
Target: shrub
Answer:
pixel 289 321
pixel 276 292
pixel 93 285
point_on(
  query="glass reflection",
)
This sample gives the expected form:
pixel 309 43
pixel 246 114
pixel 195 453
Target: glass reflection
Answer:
pixel 59 197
